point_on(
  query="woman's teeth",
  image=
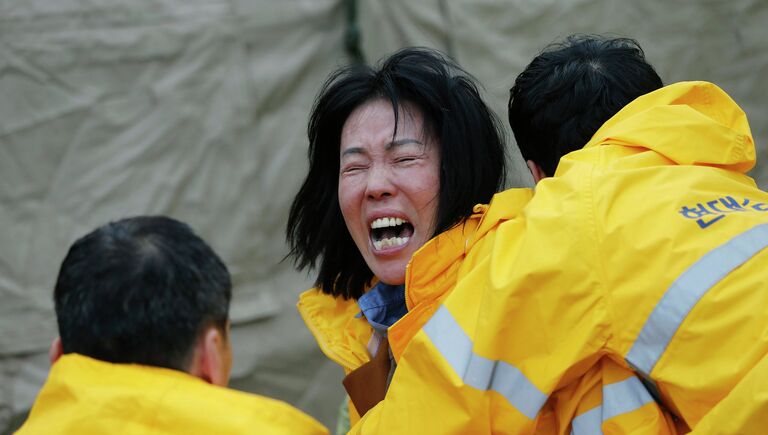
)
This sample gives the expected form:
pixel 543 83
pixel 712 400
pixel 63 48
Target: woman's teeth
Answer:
pixel 386 222
pixel 390 232
pixel 389 243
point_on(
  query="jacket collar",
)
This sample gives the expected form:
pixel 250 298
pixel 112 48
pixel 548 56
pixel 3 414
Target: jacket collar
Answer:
pixel 717 130
pixel 334 322
pixel 432 260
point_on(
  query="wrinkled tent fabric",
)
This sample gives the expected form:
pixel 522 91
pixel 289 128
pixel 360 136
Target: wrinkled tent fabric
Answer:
pixel 197 109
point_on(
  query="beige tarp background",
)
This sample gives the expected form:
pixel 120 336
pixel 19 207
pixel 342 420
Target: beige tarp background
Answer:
pixel 197 109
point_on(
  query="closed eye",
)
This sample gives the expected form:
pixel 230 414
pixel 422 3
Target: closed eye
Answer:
pixel 406 159
pixel 352 169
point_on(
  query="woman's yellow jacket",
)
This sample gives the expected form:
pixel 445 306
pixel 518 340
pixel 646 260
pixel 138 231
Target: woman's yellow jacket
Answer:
pixel 636 275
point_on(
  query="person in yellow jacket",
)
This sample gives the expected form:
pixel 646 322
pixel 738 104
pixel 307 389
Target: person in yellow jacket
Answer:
pixel 142 306
pixel 670 234
pixel 398 153
pixel 645 251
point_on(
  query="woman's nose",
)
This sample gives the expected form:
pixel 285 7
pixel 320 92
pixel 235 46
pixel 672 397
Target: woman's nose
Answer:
pixel 380 183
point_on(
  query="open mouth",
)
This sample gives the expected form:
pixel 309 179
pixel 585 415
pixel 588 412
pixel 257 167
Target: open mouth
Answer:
pixel 390 232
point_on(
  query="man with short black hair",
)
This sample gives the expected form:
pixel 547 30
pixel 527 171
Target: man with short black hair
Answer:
pixel 143 311
pixel 643 252
pixel 646 248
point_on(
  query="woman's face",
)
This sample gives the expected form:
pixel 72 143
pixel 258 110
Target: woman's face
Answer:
pixel 388 187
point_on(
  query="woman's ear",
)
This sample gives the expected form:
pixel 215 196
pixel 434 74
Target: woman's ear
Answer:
pixel 56 350
pixel 536 171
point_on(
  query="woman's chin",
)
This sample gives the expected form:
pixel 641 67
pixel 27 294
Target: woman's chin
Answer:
pixel 391 272
pixel 389 263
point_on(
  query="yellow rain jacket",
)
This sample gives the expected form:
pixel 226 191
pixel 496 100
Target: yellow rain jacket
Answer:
pixel 86 396
pixel 646 250
pixel 430 275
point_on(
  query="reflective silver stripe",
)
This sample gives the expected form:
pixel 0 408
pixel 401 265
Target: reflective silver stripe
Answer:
pixel 618 398
pixel 480 372
pixel 623 397
pixel 687 290
pixel 589 423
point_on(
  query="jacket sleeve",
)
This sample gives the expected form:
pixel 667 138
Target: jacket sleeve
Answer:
pixel 441 385
pixel 608 399
pixel 544 320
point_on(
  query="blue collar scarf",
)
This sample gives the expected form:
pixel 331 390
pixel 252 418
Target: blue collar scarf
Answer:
pixel 383 305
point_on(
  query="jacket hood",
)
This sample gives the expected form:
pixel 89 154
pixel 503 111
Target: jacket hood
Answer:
pixel 715 129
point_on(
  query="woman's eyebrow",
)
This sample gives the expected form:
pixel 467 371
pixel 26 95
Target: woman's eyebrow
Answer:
pixel 352 150
pixel 388 147
pixel 404 141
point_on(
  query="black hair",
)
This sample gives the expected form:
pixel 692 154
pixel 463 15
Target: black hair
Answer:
pixel 140 290
pixel 570 89
pixel 472 156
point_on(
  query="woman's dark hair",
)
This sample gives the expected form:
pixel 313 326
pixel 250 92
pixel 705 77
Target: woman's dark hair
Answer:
pixel 472 156
pixel 570 89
